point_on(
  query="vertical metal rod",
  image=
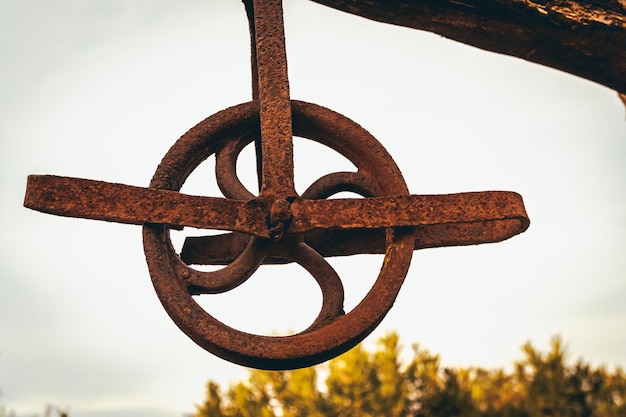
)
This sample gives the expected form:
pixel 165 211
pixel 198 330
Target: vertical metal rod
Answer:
pixel 249 6
pixel 275 104
pixel 255 85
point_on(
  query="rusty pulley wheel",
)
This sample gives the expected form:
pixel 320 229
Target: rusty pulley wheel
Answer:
pixel 278 225
pixel 332 332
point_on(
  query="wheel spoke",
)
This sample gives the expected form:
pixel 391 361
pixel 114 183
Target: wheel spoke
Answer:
pixel 227 278
pixel 324 274
pixel 226 169
pixel 337 182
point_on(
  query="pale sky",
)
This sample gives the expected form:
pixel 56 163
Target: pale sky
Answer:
pixel 101 89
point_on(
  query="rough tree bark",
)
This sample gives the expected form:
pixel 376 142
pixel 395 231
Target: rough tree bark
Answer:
pixel 582 37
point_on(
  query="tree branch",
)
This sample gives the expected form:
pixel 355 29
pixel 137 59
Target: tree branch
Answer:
pixel 584 37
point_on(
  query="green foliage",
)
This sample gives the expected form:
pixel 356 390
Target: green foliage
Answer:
pixel 49 409
pixel 360 383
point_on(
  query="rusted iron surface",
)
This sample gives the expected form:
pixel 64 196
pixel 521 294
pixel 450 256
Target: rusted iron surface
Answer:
pixel 222 249
pixel 340 332
pixel 407 210
pixel 98 200
pixel 275 106
pixel 278 225
pixel 377 173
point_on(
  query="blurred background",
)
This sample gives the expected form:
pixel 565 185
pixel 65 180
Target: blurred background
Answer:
pixel 101 89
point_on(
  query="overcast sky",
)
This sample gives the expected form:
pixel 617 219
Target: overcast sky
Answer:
pixel 101 89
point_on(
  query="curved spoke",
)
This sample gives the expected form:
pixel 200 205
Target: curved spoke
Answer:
pixel 324 274
pixel 337 182
pixel 226 169
pixel 227 278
